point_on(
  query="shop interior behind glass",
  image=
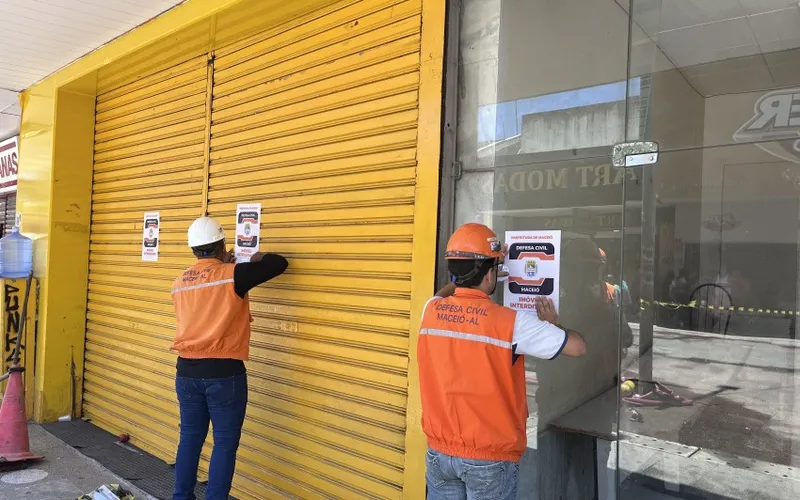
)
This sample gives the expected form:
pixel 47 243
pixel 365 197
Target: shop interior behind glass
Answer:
pixel 545 89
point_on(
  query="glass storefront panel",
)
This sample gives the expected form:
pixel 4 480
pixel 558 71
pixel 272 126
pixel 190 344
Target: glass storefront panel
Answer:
pixel 709 402
pixel 712 407
pixel 542 98
pixel 688 389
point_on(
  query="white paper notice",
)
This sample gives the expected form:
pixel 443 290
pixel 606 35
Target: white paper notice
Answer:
pixel 534 259
pixel 248 231
pixel 152 223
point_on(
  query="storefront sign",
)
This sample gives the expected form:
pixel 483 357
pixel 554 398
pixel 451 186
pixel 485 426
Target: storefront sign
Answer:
pixel 775 125
pixel 9 162
pixel 152 224
pixel 248 231
pixel 541 186
pixel 533 263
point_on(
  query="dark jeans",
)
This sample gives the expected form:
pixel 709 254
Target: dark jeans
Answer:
pixel 223 402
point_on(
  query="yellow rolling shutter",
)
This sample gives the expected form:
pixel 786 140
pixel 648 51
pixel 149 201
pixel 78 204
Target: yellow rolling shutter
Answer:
pixel 149 153
pixel 316 120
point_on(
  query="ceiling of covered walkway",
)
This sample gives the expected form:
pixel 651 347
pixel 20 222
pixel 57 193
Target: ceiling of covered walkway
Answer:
pixel 41 36
pixel 721 46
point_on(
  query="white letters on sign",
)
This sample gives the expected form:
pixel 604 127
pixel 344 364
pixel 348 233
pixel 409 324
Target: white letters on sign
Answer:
pixel 9 163
pixel 775 125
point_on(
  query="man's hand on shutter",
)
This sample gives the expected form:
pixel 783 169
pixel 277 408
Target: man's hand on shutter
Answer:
pixel 230 257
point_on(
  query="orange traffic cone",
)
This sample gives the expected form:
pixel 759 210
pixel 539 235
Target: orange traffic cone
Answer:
pixel 14 444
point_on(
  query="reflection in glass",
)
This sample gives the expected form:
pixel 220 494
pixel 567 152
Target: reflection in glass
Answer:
pixel 724 318
pixel 543 95
pixel 710 409
pixel 699 254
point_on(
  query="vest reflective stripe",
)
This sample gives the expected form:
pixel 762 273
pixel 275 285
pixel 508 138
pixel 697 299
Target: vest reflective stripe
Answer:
pixel 202 285
pixel 465 336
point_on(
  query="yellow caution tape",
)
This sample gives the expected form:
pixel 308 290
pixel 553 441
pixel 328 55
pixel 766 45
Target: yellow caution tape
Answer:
pixel 644 304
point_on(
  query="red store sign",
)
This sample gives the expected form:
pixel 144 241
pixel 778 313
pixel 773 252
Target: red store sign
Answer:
pixel 9 161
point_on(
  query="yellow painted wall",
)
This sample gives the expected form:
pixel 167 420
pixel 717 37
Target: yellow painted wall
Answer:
pixel 54 194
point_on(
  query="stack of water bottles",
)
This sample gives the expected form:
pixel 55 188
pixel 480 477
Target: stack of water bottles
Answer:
pixel 16 255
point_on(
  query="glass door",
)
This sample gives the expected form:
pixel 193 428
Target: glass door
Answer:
pixel 543 94
pixel 709 397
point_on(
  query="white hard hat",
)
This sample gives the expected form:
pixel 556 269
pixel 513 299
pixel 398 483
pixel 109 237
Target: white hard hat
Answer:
pixel 205 231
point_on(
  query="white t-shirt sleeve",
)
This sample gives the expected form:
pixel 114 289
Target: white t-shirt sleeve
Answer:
pixel 538 338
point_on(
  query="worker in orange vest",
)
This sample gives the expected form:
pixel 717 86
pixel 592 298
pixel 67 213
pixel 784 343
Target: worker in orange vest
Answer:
pixel 611 289
pixel 472 373
pixel 619 296
pixel 213 342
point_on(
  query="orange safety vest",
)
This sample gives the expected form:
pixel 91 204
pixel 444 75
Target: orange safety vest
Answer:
pixel 213 322
pixel 474 402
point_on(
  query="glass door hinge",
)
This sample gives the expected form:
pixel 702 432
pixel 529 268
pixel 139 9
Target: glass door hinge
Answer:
pixel 635 154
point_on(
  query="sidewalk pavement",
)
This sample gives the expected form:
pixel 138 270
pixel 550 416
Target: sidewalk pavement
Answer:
pixel 650 468
pixel 64 474
pixel 740 440
pixel 746 393
pixel 653 469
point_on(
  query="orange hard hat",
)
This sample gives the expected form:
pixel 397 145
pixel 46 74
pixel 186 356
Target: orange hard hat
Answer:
pixel 473 242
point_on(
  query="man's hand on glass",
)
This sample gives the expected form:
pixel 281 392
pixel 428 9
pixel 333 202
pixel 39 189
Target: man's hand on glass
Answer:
pixel 546 310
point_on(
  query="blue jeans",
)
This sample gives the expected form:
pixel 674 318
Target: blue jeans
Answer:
pixel 223 402
pixel 453 478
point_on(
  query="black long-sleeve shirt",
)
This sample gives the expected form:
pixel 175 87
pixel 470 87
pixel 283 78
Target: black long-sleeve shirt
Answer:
pixel 249 275
pixel 246 276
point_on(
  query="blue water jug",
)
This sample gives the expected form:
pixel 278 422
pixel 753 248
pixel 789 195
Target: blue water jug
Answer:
pixel 16 255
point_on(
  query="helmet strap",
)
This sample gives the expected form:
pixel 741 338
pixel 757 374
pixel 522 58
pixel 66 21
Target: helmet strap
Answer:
pixel 476 268
pixel 206 251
